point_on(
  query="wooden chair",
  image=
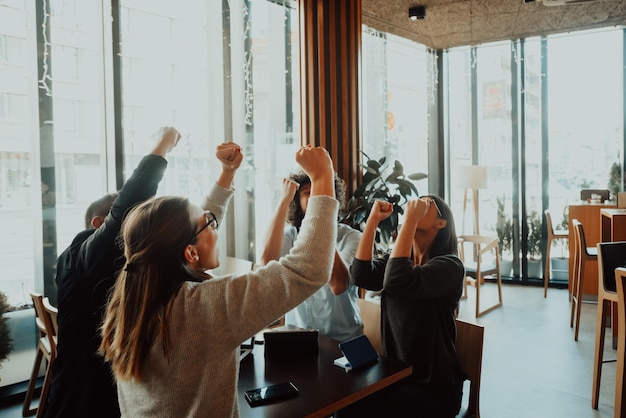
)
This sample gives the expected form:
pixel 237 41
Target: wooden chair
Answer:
pixel 46 347
pixel 475 271
pixel 552 235
pixel 370 315
pixel 610 256
pixel 469 349
pixel 620 378
pixel 54 313
pixel 582 255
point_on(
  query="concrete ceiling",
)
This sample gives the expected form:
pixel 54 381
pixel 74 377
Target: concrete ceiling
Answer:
pixel 451 23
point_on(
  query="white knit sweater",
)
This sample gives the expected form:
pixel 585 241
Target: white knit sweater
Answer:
pixel 210 320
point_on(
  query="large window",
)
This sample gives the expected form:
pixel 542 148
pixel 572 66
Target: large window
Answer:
pixel 545 117
pixel 216 75
pixel 585 113
pixel 236 80
pixel 398 100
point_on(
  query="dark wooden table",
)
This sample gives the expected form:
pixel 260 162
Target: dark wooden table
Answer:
pixel 323 387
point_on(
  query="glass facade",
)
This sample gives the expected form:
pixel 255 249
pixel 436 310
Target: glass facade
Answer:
pixel 220 76
pixel 398 87
pixel 545 117
pixel 80 99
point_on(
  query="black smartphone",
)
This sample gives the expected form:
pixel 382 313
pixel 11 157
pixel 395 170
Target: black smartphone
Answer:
pixel 271 393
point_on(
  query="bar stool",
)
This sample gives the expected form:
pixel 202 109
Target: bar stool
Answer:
pixel 552 235
pixel 610 256
pixel 582 255
pixel 620 376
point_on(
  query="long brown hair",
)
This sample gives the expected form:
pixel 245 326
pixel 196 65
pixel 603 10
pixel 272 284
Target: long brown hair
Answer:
pixel 445 241
pixel 155 235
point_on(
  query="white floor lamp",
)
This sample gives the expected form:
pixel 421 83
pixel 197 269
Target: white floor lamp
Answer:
pixel 471 178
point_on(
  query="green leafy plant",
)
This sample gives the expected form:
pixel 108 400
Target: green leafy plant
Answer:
pixel 564 224
pixel 534 235
pixel 615 180
pixel 381 182
pixel 6 343
pixel 504 227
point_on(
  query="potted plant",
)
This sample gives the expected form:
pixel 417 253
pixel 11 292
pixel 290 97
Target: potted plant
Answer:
pixel 6 343
pixel 560 264
pixel 534 244
pixel 504 231
pixel 381 181
pixel 615 181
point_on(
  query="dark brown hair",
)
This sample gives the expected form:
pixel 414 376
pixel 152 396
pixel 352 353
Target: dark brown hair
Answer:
pixel 295 215
pixel 445 241
pixel 100 207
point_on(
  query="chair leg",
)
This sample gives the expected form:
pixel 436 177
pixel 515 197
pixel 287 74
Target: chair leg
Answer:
pixel 599 353
pixel 499 276
pixel 579 298
pixel 575 284
pixel 45 389
pixel 478 284
pixel 546 275
pixel 620 381
pixel 30 391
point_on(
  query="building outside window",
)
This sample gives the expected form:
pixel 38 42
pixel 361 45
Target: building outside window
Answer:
pixel 398 93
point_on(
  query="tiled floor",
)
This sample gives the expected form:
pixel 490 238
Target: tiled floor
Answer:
pixel 532 367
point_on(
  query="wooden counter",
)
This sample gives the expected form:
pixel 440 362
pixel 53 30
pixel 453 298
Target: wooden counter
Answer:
pixel 589 215
pixel 613 225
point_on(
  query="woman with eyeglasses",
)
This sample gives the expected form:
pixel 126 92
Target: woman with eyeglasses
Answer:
pixel 421 282
pixel 172 332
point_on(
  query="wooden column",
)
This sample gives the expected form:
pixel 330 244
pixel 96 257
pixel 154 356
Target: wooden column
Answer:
pixel 330 55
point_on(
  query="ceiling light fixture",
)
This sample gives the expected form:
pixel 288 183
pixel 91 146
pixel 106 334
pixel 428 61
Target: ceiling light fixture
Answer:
pixel 417 12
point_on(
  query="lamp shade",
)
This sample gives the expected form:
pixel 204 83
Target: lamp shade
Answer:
pixel 472 177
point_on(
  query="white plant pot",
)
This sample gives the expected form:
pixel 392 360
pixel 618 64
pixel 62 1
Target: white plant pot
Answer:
pixel 559 268
pixel 534 269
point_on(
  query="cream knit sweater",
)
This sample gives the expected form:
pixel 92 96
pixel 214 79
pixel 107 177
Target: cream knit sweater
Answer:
pixel 210 320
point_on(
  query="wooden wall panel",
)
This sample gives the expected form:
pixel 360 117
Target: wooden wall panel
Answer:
pixel 330 42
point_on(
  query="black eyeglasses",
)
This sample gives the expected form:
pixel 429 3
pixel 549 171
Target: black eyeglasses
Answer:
pixel 211 221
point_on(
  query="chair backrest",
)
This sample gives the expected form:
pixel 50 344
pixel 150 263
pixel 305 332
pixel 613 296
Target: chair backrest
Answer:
pixel 611 255
pixel 550 225
pixel 370 315
pixel 469 350
pixel 586 194
pixel 579 233
pixel 549 221
pixel 53 312
pixel 482 244
pixel 44 321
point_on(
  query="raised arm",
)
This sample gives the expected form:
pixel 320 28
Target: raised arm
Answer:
pixel 381 210
pixel 267 293
pixel 167 139
pixel 274 235
pixel 317 164
pixel 100 248
pixel 231 157
pixel 414 211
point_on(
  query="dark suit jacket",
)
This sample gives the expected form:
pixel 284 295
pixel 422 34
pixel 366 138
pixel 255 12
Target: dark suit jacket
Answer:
pixel 82 383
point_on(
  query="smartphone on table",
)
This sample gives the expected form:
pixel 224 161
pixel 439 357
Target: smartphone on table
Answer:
pixel 271 393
